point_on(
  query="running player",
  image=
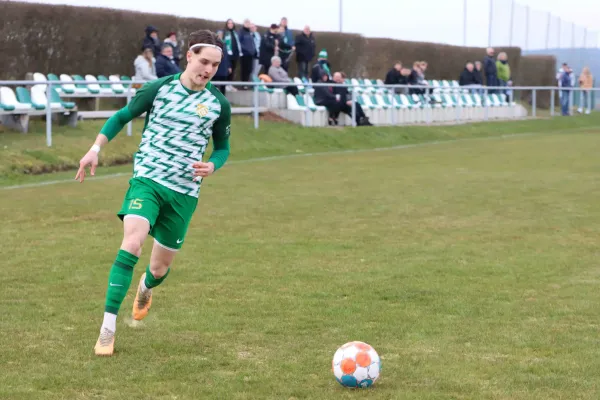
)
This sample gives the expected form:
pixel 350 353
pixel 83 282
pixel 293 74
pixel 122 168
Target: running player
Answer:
pixel 183 112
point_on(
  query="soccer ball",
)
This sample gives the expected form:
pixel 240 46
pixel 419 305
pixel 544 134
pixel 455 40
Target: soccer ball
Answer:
pixel 356 365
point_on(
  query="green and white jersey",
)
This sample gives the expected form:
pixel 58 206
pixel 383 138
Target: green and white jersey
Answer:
pixel 179 124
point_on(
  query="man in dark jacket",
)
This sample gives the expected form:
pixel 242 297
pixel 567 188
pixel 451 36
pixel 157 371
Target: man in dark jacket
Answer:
pixel 344 100
pixel 224 69
pixel 267 47
pixel 165 64
pixel 477 73
pixel 324 96
pixel 305 51
pixel 490 70
pixel 151 40
pixel 286 43
pixel 393 76
pixel 321 67
pixel 248 50
pixel 467 77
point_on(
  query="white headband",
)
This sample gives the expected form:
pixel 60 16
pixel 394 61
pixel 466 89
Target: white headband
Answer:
pixel 205 45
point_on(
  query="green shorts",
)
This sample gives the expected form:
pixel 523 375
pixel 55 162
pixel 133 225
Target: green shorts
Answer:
pixel 168 212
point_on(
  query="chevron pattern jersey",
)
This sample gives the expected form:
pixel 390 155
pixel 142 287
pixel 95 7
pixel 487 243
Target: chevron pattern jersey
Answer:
pixel 179 124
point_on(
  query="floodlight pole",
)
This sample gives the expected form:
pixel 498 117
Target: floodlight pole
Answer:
pixel 341 1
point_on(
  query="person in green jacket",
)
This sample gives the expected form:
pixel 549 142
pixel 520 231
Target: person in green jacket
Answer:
pixel 504 76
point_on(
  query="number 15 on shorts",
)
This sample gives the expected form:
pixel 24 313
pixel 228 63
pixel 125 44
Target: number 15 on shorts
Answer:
pixel 135 204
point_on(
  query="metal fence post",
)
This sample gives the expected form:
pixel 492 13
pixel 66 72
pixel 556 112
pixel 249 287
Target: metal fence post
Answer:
pixel 552 94
pixel 354 107
pixel 130 123
pixel 589 103
pixel 534 103
pixel 486 115
pixel 255 105
pixel 48 115
pixel 307 110
pixel 571 93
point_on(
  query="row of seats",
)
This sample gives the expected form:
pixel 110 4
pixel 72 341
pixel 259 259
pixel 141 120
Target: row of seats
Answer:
pixel 102 87
pixel 24 101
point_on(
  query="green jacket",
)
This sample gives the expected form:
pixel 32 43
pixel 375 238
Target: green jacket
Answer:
pixel 503 71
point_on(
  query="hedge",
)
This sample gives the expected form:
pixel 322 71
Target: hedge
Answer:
pixel 81 40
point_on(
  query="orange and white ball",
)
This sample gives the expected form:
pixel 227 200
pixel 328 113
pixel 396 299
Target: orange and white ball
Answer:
pixel 356 365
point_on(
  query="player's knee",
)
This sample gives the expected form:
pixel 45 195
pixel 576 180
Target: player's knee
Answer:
pixel 159 268
pixel 132 245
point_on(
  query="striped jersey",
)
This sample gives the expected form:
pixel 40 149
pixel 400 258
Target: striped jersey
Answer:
pixel 179 124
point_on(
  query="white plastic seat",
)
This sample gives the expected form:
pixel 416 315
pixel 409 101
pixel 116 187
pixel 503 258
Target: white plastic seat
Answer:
pixel 8 98
pixel 119 87
pixel 96 86
pixel 38 96
pixel 70 86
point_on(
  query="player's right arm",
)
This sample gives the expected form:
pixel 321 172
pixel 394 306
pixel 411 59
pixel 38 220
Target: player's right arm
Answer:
pixel 141 103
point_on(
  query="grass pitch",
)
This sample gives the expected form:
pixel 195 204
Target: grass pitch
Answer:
pixel 471 267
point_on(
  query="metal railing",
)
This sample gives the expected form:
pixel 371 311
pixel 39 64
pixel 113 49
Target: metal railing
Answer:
pixel 429 95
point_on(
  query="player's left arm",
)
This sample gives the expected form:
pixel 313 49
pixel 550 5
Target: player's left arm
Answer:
pixel 220 137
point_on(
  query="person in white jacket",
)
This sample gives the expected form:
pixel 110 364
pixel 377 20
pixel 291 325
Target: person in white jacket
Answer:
pixel 145 68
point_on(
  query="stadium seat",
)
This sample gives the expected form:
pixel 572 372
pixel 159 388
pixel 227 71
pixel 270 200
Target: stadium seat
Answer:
pixel 299 85
pixel 9 102
pixel 38 96
pixel 68 85
pixel 90 88
pixel 39 77
pixel 302 104
pixel 55 101
pixel 24 97
pixel 95 87
pixel 114 88
pixel 60 88
pixel 292 103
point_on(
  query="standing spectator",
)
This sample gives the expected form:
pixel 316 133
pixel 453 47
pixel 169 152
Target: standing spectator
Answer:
pixel 224 69
pixel 586 83
pixel 232 45
pixel 255 61
pixel 287 45
pixel 305 51
pixel 467 77
pixel 490 69
pixel 503 72
pixel 268 47
pixel 393 76
pixel 172 40
pixel 145 68
pixel 565 83
pixel 248 50
pixel 322 66
pixel 165 63
pixel 278 74
pixel 344 101
pixel 151 40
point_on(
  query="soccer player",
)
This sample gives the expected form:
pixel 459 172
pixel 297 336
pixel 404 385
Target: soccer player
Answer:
pixel 183 111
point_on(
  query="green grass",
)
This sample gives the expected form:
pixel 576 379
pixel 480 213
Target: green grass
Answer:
pixel 471 267
pixel 22 156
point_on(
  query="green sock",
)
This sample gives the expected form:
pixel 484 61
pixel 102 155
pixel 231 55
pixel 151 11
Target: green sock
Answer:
pixel 119 281
pixel 151 281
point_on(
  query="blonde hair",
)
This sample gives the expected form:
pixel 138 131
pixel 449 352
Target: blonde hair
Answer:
pixel 502 56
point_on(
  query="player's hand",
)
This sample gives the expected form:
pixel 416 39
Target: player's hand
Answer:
pixel 203 169
pixel 90 159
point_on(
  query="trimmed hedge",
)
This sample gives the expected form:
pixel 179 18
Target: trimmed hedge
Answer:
pixel 538 71
pixel 67 39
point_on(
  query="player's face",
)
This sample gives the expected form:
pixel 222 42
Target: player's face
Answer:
pixel 203 64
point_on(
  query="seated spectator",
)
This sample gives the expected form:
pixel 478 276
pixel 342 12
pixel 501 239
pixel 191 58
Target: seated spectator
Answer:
pixel 324 96
pixel 415 79
pixel 477 73
pixel 165 64
pixel 467 77
pixel 172 40
pixel 344 101
pixel 145 68
pixel 322 66
pixel 393 76
pixel 151 40
pixel 278 74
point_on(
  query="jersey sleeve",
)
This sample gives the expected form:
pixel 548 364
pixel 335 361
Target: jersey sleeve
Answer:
pixel 220 136
pixel 141 103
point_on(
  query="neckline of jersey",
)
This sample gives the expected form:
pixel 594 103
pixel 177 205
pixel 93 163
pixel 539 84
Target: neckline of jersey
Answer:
pixel 188 90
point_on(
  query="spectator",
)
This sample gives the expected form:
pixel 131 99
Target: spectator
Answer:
pixel 172 40
pixel 490 70
pixel 257 40
pixel 232 45
pixel 165 64
pixel 405 74
pixel 503 72
pixel 322 66
pixel 248 50
pixel 393 76
pixel 416 79
pixel 151 40
pixel 467 77
pixel 145 69
pixel 324 96
pixel 344 101
pixel 287 46
pixel 565 83
pixel 305 51
pixel 268 47
pixel 278 74
pixel 224 69
pixel 477 73
pixel 586 83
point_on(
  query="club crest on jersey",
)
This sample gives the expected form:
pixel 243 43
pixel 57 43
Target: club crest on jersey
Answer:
pixel 202 110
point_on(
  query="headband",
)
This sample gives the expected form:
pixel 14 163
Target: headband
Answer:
pixel 205 45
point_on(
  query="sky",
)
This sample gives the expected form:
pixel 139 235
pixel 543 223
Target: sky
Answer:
pixel 440 21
